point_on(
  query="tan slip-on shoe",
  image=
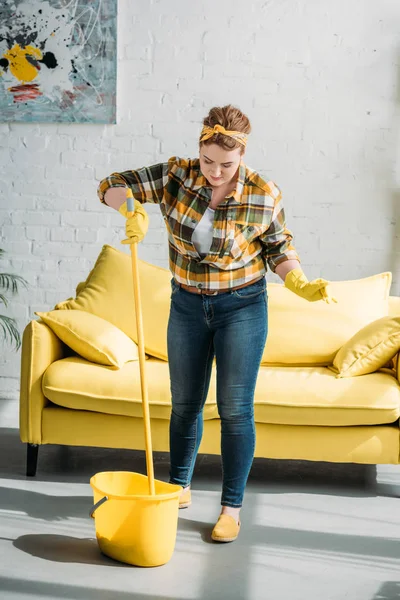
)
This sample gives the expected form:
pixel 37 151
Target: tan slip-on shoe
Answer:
pixel 226 529
pixel 186 499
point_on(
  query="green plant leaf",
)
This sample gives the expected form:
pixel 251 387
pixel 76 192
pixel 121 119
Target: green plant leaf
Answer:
pixel 4 300
pixel 8 326
pixel 10 282
pixel 9 331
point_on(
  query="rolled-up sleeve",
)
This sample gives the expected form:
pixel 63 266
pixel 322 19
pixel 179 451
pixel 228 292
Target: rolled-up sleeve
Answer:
pixel 147 184
pixel 277 239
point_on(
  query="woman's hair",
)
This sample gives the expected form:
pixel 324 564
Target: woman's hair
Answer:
pixel 232 119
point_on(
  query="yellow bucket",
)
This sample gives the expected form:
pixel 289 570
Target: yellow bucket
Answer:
pixel 131 525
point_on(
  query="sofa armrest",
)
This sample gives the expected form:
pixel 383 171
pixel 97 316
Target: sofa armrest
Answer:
pixel 40 348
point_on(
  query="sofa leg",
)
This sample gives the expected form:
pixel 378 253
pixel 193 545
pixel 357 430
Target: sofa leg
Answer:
pixel 31 459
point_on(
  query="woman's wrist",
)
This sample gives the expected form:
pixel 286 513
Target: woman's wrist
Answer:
pixel 285 267
pixel 115 196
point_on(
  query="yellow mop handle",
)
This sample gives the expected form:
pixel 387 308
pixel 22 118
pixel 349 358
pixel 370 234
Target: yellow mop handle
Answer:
pixel 142 358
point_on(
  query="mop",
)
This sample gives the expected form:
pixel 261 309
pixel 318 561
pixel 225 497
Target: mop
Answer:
pixel 135 515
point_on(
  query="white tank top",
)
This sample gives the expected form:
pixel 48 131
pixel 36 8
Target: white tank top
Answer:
pixel 203 234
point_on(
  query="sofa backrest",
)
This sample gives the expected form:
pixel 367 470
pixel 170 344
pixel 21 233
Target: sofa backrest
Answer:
pixel 311 333
pixel 300 332
pixel 108 293
pixel 394 306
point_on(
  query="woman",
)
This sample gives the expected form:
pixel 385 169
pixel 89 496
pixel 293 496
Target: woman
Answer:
pixel 225 225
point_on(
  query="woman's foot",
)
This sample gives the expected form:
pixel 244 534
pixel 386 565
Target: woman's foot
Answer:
pixel 185 499
pixel 228 525
pixel 231 511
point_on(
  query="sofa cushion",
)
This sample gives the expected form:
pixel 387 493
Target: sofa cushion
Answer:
pixel 314 396
pixel 369 349
pixel 284 395
pixel 311 333
pixel 91 337
pixel 76 383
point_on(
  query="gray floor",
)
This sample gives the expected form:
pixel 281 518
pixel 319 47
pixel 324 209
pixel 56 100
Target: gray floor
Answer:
pixel 309 531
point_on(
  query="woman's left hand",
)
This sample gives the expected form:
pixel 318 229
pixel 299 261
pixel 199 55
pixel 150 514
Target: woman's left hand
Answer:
pixel 318 289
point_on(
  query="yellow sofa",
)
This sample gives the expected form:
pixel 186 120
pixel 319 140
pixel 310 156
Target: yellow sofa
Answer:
pixel 303 410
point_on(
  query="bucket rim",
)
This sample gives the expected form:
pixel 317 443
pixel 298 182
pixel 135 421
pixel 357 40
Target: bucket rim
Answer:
pixel 128 497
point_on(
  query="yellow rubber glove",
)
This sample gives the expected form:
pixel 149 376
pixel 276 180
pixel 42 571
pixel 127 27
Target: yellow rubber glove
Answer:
pixel 136 226
pixel 312 291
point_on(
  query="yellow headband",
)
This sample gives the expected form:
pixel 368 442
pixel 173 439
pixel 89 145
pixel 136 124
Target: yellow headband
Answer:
pixel 208 132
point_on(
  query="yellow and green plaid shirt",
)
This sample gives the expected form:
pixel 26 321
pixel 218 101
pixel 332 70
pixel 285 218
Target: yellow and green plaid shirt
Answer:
pixel 249 225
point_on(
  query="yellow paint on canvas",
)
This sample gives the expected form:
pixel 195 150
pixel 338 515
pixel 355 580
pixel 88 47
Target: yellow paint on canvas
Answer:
pixel 20 67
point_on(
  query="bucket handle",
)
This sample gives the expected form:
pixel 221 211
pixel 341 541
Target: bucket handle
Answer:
pixel 96 506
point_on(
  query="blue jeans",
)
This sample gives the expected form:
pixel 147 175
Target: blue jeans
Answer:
pixel 233 327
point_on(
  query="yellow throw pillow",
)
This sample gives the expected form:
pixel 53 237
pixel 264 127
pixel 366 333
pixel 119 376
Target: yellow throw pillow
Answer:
pixel 91 337
pixel 369 349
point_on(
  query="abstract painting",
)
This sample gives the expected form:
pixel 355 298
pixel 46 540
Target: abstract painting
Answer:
pixel 58 61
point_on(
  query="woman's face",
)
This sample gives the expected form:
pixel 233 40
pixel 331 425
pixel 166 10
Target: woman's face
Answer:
pixel 219 166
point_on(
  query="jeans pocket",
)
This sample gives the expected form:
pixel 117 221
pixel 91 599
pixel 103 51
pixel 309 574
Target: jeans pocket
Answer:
pixel 251 291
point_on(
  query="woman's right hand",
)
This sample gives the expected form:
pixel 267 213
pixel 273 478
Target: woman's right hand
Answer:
pixel 137 225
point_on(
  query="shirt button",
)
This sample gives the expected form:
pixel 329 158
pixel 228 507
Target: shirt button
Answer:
pixel 194 221
pixel 199 285
pixel 251 228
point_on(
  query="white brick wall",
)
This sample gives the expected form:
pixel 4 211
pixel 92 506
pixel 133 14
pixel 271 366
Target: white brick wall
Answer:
pixel 318 80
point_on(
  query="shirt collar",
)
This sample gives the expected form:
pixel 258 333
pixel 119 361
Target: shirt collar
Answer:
pixel 238 191
pixel 200 181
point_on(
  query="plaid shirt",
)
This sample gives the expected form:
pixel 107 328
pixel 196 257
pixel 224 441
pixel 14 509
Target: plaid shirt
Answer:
pixel 249 226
